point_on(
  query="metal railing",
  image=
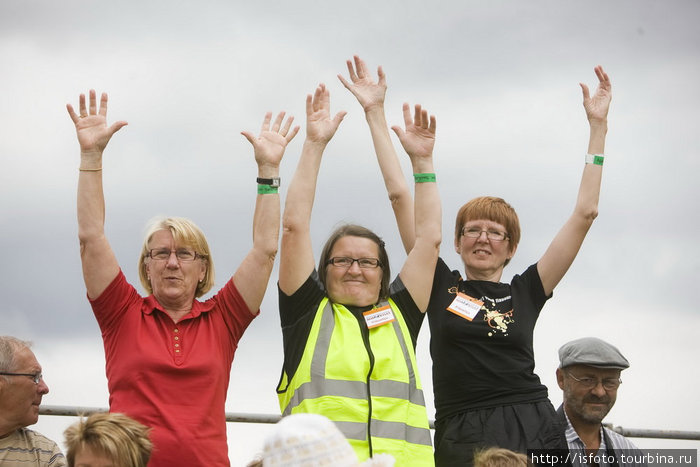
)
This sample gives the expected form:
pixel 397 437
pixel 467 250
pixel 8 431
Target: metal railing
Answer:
pixel 238 417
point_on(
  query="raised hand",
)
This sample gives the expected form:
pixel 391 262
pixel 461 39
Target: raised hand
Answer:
pixel 597 105
pixel 320 127
pixel 269 146
pixel 91 124
pixel 418 139
pixel 369 93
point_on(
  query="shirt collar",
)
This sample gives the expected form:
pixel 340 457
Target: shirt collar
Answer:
pixel 150 304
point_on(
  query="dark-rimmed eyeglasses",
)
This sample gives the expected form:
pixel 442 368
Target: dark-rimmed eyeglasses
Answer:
pixel 36 377
pixel 346 262
pixel 182 254
pixel 493 235
pixel 590 383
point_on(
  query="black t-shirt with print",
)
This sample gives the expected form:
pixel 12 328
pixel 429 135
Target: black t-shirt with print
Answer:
pixel 488 361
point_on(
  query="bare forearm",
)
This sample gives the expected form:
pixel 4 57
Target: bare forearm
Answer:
pixel 91 204
pixel 397 189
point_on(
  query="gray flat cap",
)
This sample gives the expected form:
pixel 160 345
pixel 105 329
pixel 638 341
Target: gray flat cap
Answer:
pixel 591 351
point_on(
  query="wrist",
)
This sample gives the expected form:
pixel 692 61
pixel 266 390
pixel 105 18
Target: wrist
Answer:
pixel 268 171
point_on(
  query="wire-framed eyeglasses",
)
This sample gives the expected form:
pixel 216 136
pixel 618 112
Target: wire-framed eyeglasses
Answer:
pixel 590 383
pixel 36 377
pixel 493 235
pixel 346 262
pixel 182 254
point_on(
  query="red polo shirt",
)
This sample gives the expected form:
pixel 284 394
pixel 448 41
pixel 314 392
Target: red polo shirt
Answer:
pixel 172 377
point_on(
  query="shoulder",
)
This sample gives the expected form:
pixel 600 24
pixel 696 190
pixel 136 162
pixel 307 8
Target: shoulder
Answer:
pixel 618 441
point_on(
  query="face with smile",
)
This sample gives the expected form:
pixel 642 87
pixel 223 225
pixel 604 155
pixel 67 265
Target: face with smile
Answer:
pixel 483 258
pixel 354 285
pixel 174 281
pixel 587 405
pixel 20 397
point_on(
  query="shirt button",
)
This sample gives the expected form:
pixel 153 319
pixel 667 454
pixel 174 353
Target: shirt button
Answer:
pixel 176 330
pixel 177 338
pixel 177 345
pixel 177 350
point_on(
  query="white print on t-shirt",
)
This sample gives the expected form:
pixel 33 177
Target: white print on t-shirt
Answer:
pixel 498 321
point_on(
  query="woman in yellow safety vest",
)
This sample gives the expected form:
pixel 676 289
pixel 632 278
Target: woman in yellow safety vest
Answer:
pixel 350 335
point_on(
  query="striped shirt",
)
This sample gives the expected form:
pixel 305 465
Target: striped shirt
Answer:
pixel 26 447
pixel 603 458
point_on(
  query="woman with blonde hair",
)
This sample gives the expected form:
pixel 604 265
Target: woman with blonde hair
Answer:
pixel 107 440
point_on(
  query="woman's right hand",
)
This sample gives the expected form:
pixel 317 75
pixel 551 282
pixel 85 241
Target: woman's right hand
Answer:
pixel 320 127
pixel 91 124
pixel 369 93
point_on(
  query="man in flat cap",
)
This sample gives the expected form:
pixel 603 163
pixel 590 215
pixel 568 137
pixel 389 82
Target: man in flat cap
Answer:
pixel 589 374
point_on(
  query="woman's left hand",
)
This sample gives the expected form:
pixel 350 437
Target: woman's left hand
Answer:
pixel 419 138
pixel 597 105
pixel 269 146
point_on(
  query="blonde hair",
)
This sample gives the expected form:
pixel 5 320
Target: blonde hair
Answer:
pixel 120 438
pixel 185 233
pixel 499 457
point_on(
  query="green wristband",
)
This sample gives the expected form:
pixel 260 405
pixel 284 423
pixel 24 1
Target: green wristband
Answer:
pixel 423 178
pixel 267 189
pixel 596 159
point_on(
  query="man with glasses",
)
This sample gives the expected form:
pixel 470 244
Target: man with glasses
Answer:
pixel 21 390
pixel 589 375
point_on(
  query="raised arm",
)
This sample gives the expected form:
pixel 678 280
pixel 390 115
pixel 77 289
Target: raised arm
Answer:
pixel 100 265
pixel 563 249
pixel 370 95
pixel 418 140
pixel 253 274
pixel 296 258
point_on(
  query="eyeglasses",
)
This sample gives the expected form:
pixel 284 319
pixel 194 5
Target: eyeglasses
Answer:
pixel 493 235
pixel 184 255
pixel 346 262
pixel 36 377
pixel 590 383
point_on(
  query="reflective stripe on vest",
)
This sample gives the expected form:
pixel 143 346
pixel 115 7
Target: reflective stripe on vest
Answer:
pixel 320 386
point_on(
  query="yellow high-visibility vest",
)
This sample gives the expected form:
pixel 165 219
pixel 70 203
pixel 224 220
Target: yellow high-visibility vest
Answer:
pixel 370 388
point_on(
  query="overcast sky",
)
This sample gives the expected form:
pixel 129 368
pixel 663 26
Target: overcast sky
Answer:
pixel 502 79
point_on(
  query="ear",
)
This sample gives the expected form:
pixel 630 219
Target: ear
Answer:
pixel 203 270
pixel 560 378
pixel 512 251
pixel 458 247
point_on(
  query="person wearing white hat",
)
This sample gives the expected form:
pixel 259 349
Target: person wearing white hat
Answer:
pixel 589 374
pixel 311 440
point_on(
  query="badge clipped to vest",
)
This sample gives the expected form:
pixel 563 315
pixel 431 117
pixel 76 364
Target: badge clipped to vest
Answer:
pixel 465 306
pixel 379 316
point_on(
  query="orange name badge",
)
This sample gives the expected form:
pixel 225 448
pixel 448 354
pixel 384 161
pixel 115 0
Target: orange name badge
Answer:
pixel 465 306
pixel 379 316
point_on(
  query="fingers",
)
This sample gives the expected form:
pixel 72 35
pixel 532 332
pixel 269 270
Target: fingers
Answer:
pixel 72 114
pixel 339 117
pixel 382 76
pixel 351 71
pixel 103 104
pixel 116 126
pixel 249 136
pixel 290 136
pixel 93 103
pixel 278 122
pixel 407 114
pixel 585 91
pixel 266 122
pixel 83 110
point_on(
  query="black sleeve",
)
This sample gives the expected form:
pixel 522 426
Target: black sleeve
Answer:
pixel 410 312
pixel 297 313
